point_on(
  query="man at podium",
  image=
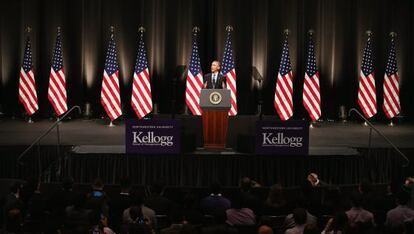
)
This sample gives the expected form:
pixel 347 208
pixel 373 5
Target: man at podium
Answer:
pixel 214 80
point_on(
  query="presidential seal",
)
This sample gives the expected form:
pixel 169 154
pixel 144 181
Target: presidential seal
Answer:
pixel 215 98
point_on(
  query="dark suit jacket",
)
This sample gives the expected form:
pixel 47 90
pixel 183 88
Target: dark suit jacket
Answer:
pixel 117 205
pixel 219 82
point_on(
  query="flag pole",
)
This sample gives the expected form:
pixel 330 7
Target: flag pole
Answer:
pixel 392 35
pixel 310 33
pixel 286 32
pixel 229 28
pixel 28 30
pixel 57 116
pixel 112 30
pixel 369 34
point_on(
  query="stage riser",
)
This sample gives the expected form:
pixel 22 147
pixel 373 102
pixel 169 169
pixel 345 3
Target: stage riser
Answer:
pixel 381 166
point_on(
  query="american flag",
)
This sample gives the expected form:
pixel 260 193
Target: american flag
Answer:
pixel 311 89
pixel 391 84
pixel 367 98
pixel 284 85
pixel 27 84
pixel 194 80
pixel 141 100
pixel 57 81
pixel 229 70
pixel 110 97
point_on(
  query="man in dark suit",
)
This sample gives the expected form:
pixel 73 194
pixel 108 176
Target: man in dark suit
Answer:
pixel 214 80
pixel 119 203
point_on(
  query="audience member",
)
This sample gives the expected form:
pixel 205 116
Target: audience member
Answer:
pixel 290 221
pixel 400 214
pixel 239 213
pixel 215 203
pixel 148 215
pixel 99 224
pixel 337 225
pixel 77 217
pixel 137 223
pixel 299 216
pixel 264 229
pixel 35 209
pixel 13 209
pixel 119 203
pixel 314 180
pixel 62 198
pixel 275 203
pixel 250 200
pixel 190 209
pixel 311 229
pixel 156 201
pixel 178 225
pixel 97 200
pixel 358 215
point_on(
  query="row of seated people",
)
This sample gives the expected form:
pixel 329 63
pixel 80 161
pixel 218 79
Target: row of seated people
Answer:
pixel 27 209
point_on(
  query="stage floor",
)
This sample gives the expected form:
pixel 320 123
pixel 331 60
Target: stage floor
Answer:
pixel 338 152
pixel 96 132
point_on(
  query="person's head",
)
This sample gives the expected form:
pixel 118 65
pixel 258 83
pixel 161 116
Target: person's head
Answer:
pixel 125 184
pixel 79 201
pixel 215 66
pixel 299 215
pixel 136 215
pixel 245 184
pixel 356 199
pixel 264 229
pixel 313 179
pixel 215 188
pixel 394 187
pixel 190 200
pixel 97 184
pixel 275 194
pixel 158 187
pixel 137 200
pixel 365 186
pixel 67 183
pixel 403 198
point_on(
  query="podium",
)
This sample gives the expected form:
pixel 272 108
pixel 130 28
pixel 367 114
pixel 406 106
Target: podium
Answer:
pixel 215 104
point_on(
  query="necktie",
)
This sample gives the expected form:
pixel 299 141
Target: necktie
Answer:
pixel 214 80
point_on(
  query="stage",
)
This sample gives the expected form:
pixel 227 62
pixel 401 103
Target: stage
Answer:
pixel 89 148
pixel 97 132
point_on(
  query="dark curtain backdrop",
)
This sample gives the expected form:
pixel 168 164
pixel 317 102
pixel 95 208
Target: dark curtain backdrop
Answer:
pixel 339 26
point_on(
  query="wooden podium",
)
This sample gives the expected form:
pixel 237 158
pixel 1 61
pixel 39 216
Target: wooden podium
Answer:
pixel 215 104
